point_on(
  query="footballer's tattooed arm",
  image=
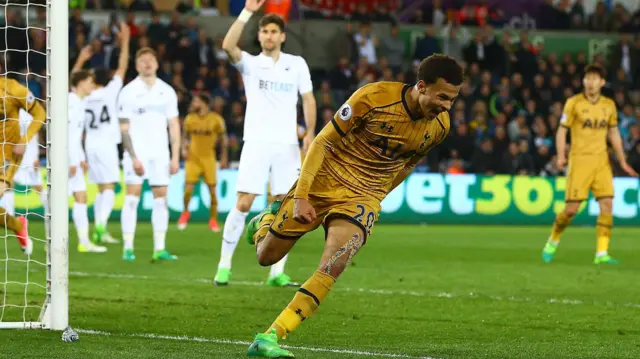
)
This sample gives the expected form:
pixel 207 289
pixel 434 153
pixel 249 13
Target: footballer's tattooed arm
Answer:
pixel 126 137
pixel 343 256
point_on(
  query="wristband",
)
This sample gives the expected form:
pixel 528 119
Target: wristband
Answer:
pixel 245 15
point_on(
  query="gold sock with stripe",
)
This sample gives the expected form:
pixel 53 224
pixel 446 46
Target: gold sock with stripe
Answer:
pixel 559 225
pixel 603 232
pixel 304 304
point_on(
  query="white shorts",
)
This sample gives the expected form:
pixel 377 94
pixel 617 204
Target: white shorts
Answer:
pixel 104 165
pixel 156 171
pixel 28 176
pixel 279 164
pixel 77 183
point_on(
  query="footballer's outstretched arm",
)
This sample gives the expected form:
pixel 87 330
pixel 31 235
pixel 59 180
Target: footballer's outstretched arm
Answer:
pixel 123 59
pixel 231 39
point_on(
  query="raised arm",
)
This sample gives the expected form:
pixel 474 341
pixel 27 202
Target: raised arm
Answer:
pixel 84 56
pixel 230 42
pixel 123 59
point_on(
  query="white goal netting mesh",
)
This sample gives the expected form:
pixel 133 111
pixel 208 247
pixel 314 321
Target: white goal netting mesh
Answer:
pixel 24 46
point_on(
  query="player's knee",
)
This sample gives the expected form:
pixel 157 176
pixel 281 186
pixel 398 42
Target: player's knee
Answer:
pixel 267 254
pixel 606 206
pixel 80 197
pixel 245 201
pixel 571 209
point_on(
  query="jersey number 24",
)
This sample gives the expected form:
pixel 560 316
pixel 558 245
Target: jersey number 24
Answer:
pixel 91 117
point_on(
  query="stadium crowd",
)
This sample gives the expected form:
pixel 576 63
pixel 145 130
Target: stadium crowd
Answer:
pixel 503 121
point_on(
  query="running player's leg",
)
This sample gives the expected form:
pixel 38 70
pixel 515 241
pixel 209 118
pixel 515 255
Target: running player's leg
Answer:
pixel 104 171
pixel 105 207
pixel 129 216
pixel 253 173
pixel 159 178
pixel 603 191
pixel 79 213
pixel 17 224
pixel 285 171
pixel 209 167
pixel 344 240
pixel 579 181
pixel 192 174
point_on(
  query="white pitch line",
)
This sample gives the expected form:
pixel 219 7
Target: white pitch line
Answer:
pixel 246 343
pixel 470 295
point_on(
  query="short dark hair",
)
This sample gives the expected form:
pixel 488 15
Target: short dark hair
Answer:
pixel 80 76
pixel 596 68
pixel 146 50
pixel 101 76
pixel 440 66
pixel 204 98
pixel 272 19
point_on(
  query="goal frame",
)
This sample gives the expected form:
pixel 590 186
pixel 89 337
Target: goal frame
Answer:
pixel 54 314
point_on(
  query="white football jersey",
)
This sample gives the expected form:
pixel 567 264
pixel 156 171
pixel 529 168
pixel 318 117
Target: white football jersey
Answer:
pixel 149 110
pixel 101 121
pixel 76 110
pixel 32 152
pixel 272 90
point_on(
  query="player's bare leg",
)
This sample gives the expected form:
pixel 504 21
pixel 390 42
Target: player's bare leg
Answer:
pixel 17 224
pixel 559 225
pixel 102 208
pixel 213 209
pixel 160 223
pixel 81 222
pixel 186 215
pixel 231 233
pixel 129 219
pixel 344 240
pixel 603 230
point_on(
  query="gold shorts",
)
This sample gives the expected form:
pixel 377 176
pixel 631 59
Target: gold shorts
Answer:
pixel 589 173
pixel 10 164
pixel 331 200
pixel 200 166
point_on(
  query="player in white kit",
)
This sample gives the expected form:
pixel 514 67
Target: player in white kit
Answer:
pixel 147 105
pixel 103 136
pixel 28 175
pixel 272 82
pixel 82 84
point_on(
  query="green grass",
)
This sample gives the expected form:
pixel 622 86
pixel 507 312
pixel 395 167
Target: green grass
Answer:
pixel 433 291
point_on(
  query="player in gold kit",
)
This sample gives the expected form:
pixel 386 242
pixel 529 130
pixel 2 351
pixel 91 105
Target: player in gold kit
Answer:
pixel 15 97
pixel 371 145
pixel 591 119
pixel 202 129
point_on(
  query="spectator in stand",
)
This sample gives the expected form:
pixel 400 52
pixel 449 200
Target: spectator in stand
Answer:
pixel 451 45
pixel 141 5
pixel 157 31
pixel 367 43
pixel 634 156
pixel 485 160
pixel 393 48
pixel 599 20
pixel 426 45
pixel 345 45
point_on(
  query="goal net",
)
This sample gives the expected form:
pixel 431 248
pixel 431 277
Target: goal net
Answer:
pixel 34 52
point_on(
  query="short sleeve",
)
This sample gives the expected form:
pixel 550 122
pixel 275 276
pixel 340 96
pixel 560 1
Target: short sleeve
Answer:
pixel 245 64
pixel 125 105
pixel 568 115
pixel 613 119
pixel 304 78
pixel 25 99
pixel 114 86
pixel 351 113
pixel 222 129
pixel 171 106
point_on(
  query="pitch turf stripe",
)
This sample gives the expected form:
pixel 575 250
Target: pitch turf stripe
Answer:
pixel 470 295
pixel 245 343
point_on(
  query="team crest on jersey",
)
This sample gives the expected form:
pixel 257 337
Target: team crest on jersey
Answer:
pixel 345 112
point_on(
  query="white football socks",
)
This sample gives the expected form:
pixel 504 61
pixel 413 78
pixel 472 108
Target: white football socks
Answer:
pixel 97 208
pixel 278 268
pixel 81 222
pixel 106 206
pixel 128 220
pixel 233 228
pixel 160 222
pixel 9 202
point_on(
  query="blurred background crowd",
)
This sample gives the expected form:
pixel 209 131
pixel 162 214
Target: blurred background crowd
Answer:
pixel 503 122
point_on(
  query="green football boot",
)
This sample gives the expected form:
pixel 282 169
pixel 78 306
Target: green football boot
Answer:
pixel 128 255
pixel 254 223
pixel 282 280
pixel 99 232
pixel 605 259
pixel 549 251
pixel 222 277
pixel 163 255
pixel 266 346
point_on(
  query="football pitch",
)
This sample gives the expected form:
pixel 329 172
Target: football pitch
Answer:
pixel 440 292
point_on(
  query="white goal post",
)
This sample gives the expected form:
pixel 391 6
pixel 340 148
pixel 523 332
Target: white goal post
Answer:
pixel 52 298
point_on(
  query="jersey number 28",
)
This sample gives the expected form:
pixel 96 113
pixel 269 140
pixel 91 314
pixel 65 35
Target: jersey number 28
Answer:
pixel 104 117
